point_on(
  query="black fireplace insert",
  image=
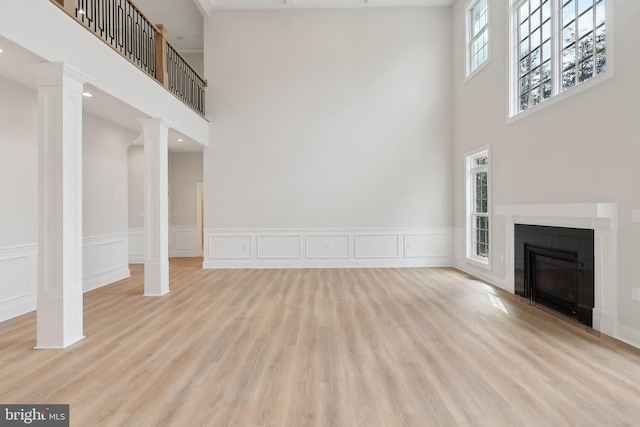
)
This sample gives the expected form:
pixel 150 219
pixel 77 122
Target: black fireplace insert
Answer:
pixel 554 267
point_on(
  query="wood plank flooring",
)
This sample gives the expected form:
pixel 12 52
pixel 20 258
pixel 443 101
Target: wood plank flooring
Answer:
pixel 312 347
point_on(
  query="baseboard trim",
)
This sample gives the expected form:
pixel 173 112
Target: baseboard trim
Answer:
pixel 481 274
pixel 106 278
pixel 628 335
pixel 270 264
pixel 136 259
pixel 24 306
pixel 184 254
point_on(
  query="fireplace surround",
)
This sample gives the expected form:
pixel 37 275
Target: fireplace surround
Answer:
pixel 554 267
pixel 602 218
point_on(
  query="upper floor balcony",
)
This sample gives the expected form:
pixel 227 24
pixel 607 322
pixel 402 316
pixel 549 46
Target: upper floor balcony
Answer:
pixel 133 72
pixel 125 28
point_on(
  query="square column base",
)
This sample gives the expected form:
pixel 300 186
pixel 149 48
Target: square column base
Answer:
pixel 60 322
pixel 156 279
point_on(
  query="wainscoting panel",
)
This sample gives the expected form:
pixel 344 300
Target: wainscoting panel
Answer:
pixel 105 260
pixel 328 248
pixel 184 241
pixel 459 245
pixel 229 247
pixel 377 246
pixel 9 269
pixel 136 246
pixel 279 247
pixel 426 245
pixel 18 280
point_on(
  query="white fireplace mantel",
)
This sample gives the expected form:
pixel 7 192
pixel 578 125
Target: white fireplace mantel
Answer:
pixel 586 211
pixel 600 217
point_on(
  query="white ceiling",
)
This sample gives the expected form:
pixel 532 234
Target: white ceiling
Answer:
pixel 207 6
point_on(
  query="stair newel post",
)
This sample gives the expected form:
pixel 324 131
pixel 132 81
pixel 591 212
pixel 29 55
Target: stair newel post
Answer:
pixel 161 56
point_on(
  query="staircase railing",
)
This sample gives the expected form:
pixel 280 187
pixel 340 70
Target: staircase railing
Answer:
pixel 121 25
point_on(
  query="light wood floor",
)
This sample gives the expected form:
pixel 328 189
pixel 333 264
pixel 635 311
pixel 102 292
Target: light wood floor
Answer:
pixel 369 347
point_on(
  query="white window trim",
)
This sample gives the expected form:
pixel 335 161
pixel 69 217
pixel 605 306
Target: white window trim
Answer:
pixel 471 74
pixel 469 202
pixel 512 51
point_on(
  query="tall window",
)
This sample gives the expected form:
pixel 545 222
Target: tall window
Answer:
pixel 583 41
pixel 559 44
pixel 478 206
pixel 478 34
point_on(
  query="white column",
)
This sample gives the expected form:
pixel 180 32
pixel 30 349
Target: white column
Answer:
pixel 59 314
pixel 156 207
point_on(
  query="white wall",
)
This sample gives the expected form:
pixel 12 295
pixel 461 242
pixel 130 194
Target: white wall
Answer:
pixel 582 149
pixel 19 195
pixel 104 200
pixel 18 164
pixel 196 60
pixel 136 204
pixel 136 186
pixel 105 171
pixel 334 122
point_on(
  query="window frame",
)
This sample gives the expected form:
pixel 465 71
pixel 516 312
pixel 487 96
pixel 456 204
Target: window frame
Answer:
pixel 558 94
pixel 470 38
pixel 471 214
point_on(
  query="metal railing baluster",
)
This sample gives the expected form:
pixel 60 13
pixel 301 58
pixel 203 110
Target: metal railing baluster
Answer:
pixel 122 26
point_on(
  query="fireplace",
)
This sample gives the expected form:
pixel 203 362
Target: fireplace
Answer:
pixel 599 217
pixel 554 267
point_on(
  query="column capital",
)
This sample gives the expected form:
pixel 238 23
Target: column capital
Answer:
pixel 57 74
pixel 154 124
